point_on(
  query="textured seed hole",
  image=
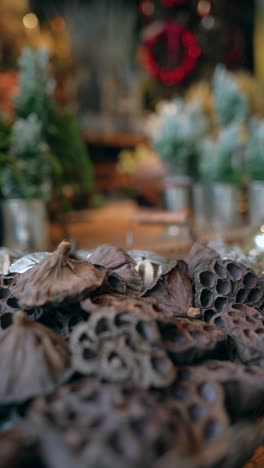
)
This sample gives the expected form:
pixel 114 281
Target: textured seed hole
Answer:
pixel 241 295
pixel 145 330
pixel 236 310
pixel 160 364
pixel 217 321
pixel 220 270
pixel 207 279
pixel 212 430
pixel 185 374
pixel 102 326
pixel 250 280
pixel 88 354
pixel 123 319
pixel 208 314
pixel 181 393
pixel 6 320
pixel 207 392
pixel 220 302
pixel 197 412
pixel 254 296
pixel 12 302
pixel 223 287
pixel 4 292
pixel 115 361
pixel 206 298
pixel 235 271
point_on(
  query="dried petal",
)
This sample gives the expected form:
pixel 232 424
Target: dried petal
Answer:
pixel 56 279
pixel 173 290
pixel 34 360
pixel 118 260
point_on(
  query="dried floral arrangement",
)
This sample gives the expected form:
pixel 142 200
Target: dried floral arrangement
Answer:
pixel 98 370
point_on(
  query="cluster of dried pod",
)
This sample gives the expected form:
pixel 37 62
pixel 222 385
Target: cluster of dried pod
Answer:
pixel 99 372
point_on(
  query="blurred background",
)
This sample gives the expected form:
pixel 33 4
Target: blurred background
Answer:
pixel 111 107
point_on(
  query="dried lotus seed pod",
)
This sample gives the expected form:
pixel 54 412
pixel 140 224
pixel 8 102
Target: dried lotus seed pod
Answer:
pixel 36 360
pixel 57 279
pixel 245 326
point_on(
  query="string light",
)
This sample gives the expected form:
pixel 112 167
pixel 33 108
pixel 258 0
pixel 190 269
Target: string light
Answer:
pixel 30 21
pixel 203 8
pixel 208 22
pixel 57 24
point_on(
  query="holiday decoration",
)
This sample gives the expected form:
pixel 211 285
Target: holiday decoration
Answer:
pixel 182 53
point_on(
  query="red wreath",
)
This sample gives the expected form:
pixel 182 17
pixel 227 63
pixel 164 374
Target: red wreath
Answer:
pixel 176 37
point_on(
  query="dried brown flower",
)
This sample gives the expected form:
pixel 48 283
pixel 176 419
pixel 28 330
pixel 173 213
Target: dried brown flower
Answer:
pixel 173 290
pixel 56 279
pixel 34 360
pixel 119 261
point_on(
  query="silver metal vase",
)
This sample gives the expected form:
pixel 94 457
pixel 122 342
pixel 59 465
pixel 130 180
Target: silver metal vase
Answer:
pixel 25 224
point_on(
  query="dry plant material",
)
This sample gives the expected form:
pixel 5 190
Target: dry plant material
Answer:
pixel 243 387
pixel 245 326
pixel 242 439
pixel 34 360
pixel 199 257
pixel 121 346
pixel 57 279
pixel 224 282
pixel 106 425
pixel 173 290
pixel 200 402
pixel 32 445
pixel 188 341
pixel 119 261
pixel 147 306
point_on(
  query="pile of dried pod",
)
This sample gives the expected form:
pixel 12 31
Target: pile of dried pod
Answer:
pixel 99 372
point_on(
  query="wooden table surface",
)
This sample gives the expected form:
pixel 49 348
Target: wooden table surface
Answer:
pixel 112 224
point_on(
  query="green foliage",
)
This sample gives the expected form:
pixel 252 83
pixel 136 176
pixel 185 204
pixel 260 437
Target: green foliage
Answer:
pixel 255 150
pixel 220 159
pixel 26 169
pixel 178 131
pixel 45 148
pixel 75 169
pixel 230 102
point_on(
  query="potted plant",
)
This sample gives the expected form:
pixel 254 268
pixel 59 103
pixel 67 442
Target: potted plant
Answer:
pixel 254 156
pixel 46 157
pixel 25 185
pixel 176 131
pixel 221 172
